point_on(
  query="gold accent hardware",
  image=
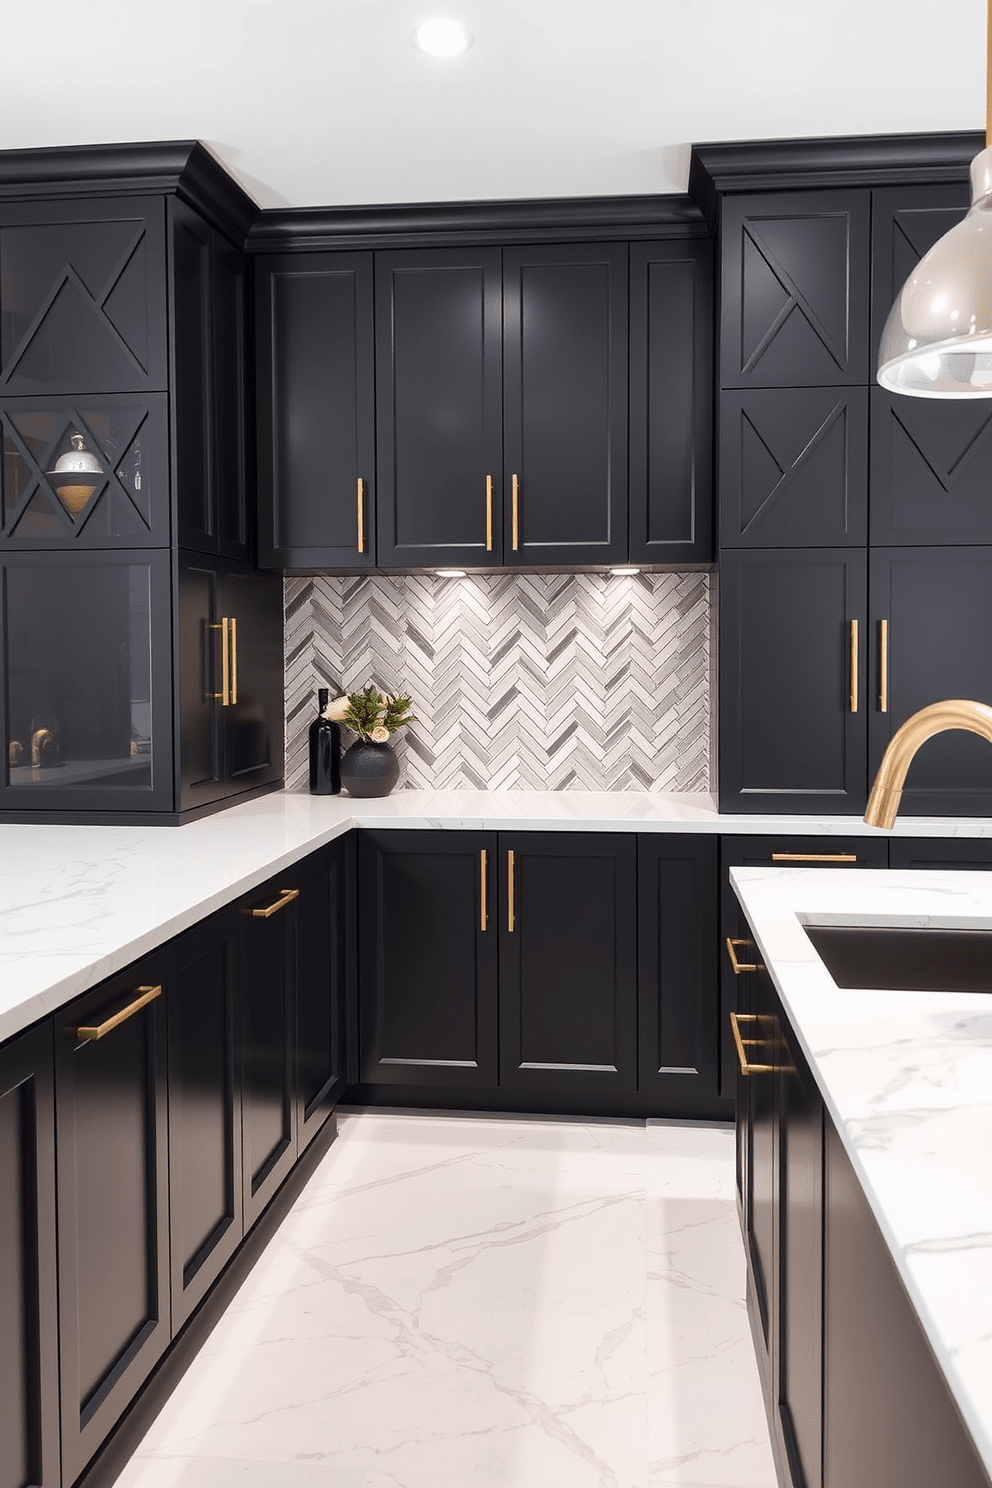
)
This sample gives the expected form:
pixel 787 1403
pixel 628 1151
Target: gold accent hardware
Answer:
pixel 516 513
pixel 286 896
pixel 224 626
pixel 232 632
pixel 147 995
pixel 39 739
pixel 938 718
pixel 489 515
pixel 739 966
pixel 747 1068
pixel 511 917
pixel 483 890
pixel 854 666
pixel 361 515
pixel 883 666
pixel 784 857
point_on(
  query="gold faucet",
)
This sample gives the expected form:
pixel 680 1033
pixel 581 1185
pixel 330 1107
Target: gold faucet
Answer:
pixel 39 739
pixel 955 713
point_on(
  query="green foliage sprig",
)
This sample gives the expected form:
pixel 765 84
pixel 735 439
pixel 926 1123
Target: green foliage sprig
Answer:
pixel 374 715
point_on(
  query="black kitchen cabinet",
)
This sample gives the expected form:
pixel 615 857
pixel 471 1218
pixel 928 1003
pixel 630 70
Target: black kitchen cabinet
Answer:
pixel 670 518
pixel 113 1201
pixel 209 387
pixel 794 467
pixel 930 464
pixel 906 221
pixel 230 680
pixel 936 607
pixel 267 1038
pixel 205 1144
pixel 887 1408
pixel 568 964
pixel 759 1029
pixel 795 272
pixel 326 980
pixel 29 1387
pixel 793 675
pixel 973 854
pixel 428 938
pixel 316 410
pixel 439 407
pixel 565 404
pixel 677 975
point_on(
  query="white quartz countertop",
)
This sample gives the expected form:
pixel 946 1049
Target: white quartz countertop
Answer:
pixel 79 903
pixel 907 1078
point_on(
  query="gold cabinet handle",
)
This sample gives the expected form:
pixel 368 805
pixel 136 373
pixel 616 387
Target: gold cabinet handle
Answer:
pixel 740 967
pixel 224 626
pixel 883 666
pixel 361 515
pixel 286 896
pixel 515 483
pixel 511 914
pixel 787 857
pixel 747 1068
pixel 100 1030
pixel 489 513
pixel 854 666
pixel 232 634
pixel 483 890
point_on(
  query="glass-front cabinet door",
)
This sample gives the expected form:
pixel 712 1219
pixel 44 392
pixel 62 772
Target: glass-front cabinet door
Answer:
pixel 86 701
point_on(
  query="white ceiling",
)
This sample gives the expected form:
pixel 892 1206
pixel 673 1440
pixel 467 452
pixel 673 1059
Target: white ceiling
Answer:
pixel 326 102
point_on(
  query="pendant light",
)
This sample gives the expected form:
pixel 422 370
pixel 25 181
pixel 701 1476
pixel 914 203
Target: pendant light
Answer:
pixel 937 341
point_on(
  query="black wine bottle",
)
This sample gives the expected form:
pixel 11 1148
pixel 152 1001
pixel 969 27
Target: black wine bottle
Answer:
pixel 325 751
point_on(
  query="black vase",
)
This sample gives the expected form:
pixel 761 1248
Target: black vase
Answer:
pixel 369 769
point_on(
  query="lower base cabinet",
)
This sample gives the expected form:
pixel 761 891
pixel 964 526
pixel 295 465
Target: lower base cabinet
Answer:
pixel 853 1393
pixel 29 1385
pixel 571 972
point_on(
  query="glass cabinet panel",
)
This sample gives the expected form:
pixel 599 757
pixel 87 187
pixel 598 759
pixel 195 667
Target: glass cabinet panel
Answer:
pixel 86 473
pixel 86 705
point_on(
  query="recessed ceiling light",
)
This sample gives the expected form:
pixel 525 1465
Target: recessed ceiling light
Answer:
pixel 442 38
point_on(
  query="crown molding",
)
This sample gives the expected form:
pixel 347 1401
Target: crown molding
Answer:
pixel 843 160
pixel 439 224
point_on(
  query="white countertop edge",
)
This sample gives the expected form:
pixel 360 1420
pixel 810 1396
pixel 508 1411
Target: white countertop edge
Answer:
pixel 777 902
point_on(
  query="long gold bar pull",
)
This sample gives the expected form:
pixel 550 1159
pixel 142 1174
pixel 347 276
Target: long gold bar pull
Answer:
pixel 223 625
pixel 286 896
pixel 511 915
pixel 232 633
pixel 489 522
pixel 854 666
pixel 787 857
pixel 740 966
pixel 883 666
pixel 483 890
pixel 361 515
pixel 516 513
pixel 100 1030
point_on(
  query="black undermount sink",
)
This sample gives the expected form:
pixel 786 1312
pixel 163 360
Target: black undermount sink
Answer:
pixel 893 958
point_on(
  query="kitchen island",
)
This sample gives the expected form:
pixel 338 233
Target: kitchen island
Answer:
pixel 906 1082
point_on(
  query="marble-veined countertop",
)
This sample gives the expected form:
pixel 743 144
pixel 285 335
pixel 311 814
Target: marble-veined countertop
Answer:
pixel 79 903
pixel 907 1079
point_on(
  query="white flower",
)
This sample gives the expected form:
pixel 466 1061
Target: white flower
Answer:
pixel 335 711
pixel 379 735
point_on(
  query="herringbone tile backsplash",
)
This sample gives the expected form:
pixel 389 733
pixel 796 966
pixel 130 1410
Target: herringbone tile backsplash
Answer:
pixel 527 681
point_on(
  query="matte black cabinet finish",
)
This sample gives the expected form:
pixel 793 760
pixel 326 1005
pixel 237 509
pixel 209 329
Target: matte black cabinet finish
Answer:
pixel 565 404
pixel 208 384
pixel 82 308
pixel 931 470
pixel 906 221
pixel 325 981
pixel 268 1038
pixel 793 727
pixel 886 1405
pixel 428 939
pixel 677 973
pixel 29 1388
pixel 795 270
pixel 439 416
pixel 568 969
pixel 938 605
pixel 205 1151
pixel 671 403
pixel 937 852
pixel 113 1181
pixel 230 705
pixel 316 410
pixel 794 467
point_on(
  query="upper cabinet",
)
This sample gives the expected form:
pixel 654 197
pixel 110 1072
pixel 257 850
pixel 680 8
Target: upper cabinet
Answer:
pixel 795 282
pixel 316 417
pixel 511 386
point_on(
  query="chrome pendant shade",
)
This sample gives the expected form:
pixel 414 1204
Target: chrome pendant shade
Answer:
pixel 937 341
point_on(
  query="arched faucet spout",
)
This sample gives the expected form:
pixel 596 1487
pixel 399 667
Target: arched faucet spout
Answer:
pixel 955 713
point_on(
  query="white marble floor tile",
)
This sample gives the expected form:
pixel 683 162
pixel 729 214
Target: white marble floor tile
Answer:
pixel 495 1303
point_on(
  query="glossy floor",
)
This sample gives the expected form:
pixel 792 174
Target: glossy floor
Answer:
pixel 487 1303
